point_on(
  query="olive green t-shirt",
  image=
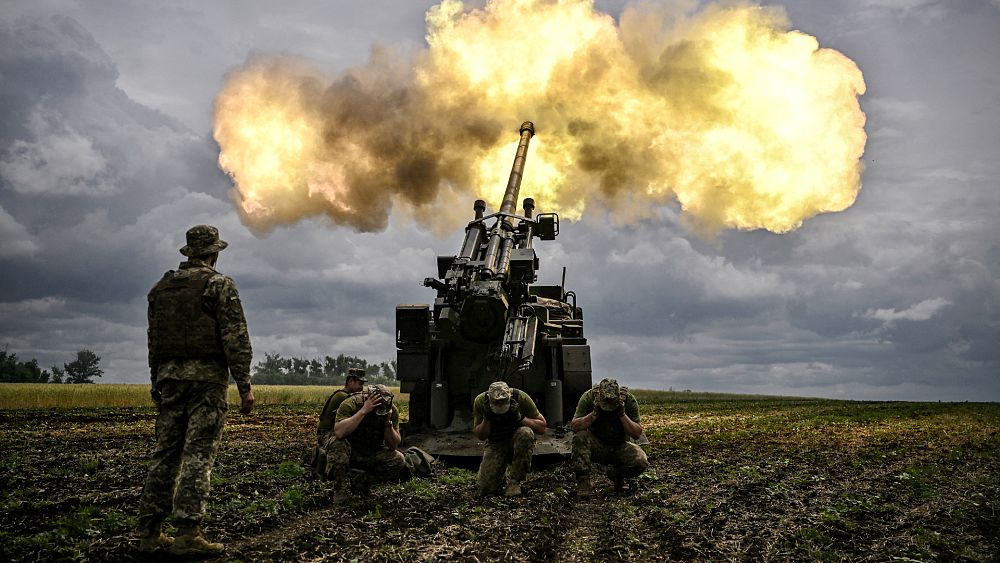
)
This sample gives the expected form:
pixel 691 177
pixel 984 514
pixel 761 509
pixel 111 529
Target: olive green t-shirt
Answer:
pixel 481 405
pixel 503 426
pixel 329 415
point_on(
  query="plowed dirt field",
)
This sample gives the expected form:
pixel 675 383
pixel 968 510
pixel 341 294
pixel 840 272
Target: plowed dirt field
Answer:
pixel 731 478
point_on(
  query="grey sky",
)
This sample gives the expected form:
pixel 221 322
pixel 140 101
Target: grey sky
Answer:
pixel 106 158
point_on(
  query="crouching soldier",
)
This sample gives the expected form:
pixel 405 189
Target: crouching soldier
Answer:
pixel 367 438
pixel 324 432
pixel 508 420
pixel 606 423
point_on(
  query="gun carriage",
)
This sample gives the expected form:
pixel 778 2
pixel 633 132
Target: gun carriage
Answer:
pixel 490 322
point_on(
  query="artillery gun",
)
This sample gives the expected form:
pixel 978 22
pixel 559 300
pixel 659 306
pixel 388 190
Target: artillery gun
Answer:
pixel 490 323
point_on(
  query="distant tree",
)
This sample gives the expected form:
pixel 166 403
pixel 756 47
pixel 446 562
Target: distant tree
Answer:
pixel 270 365
pixel 275 370
pixel 8 366
pixel 31 373
pixel 389 370
pixel 13 371
pixel 329 366
pixel 57 375
pixel 300 367
pixel 84 369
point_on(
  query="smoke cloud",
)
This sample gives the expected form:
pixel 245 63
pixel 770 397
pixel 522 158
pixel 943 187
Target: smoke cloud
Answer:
pixel 742 122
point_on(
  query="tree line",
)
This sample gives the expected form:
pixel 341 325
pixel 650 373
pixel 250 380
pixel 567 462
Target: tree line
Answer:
pixel 83 369
pixel 276 370
pixel 272 370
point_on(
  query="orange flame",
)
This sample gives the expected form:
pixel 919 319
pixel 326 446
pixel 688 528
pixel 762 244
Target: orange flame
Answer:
pixel 746 124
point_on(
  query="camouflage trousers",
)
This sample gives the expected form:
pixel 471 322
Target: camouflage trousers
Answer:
pixel 188 430
pixel 627 459
pixel 382 465
pixel 497 455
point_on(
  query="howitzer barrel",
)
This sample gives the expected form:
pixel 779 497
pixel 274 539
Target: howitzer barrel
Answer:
pixel 509 204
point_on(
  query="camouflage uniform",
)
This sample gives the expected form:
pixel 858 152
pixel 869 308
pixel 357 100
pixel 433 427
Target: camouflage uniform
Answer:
pixel 365 448
pixel 605 441
pixel 509 443
pixel 328 419
pixel 197 339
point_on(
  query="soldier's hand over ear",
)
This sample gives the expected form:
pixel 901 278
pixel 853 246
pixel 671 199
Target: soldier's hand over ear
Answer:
pixel 371 403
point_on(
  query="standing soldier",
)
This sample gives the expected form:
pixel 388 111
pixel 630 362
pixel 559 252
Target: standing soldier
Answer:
pixel 606 423
pixel 197 339
pixel 508 420
pixel 324 432
pixel 367 432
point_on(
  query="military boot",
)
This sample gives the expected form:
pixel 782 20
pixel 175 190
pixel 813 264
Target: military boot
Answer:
pixel 583 487
pixel 513 489
pixel 152 541
pixel 618 481
pixel 190 541
pixel 360 483
pixel 339 494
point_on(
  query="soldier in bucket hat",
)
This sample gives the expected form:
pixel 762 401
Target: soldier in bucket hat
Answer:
pixel 197 339
pixel 508 420
pixel 606 424
pixel 367 438
pixel 203 240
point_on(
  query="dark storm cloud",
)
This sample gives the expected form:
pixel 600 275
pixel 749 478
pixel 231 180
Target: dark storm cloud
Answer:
pixel 105 161
pixel 655 281
pixel 81 164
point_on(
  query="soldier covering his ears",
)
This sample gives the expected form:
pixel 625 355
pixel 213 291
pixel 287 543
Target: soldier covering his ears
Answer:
pixel 367 438
pixel 508 420
pixel 606 424
pixel 354 383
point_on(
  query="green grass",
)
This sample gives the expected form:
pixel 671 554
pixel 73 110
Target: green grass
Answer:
pixel 90 464
pixel 286 471
pixel 417 488
pixel 458 476
pixel 44 395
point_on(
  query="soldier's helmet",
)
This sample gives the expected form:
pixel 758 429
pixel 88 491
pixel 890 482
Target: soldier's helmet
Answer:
pixel 357 373
pixel 387 396
pixel 607 394
pixel 499 397
pixel 203 240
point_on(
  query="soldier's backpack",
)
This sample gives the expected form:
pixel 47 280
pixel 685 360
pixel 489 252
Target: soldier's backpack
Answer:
pixel 418 462
pixel 317 462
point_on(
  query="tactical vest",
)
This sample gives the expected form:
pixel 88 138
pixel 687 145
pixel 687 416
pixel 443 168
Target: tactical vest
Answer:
pixel 183 330
pixel 369 436
pixel 503 426
pixel 328 418
pixel 333 401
